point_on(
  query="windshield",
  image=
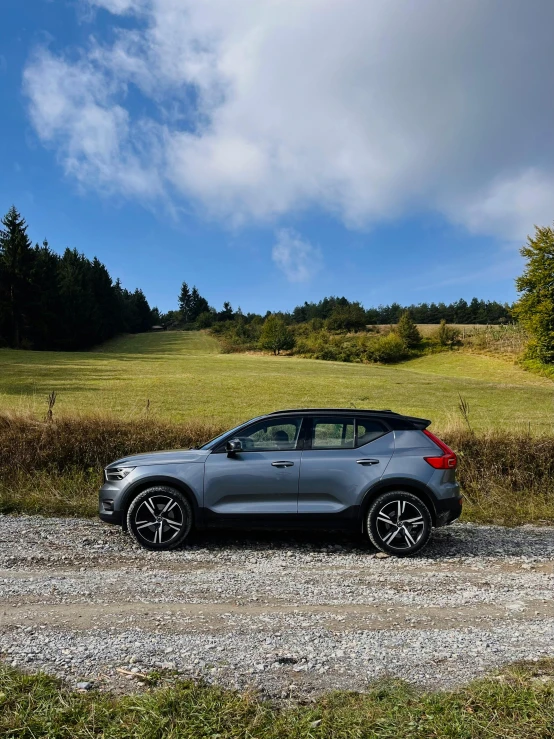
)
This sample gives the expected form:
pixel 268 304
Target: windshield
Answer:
pixel 214 442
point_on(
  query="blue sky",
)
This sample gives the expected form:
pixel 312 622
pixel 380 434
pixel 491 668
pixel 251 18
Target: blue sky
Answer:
pixel 272 153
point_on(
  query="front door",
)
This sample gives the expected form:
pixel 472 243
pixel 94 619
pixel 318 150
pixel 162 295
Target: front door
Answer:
pixel 342 458
pixel 260 480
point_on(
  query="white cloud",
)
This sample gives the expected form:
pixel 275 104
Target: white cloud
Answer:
pixel 510 206
pixel 368 109
pixel 295 256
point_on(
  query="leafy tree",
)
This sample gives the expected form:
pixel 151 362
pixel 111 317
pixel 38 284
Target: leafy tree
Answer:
pixel 276 335
pixel 535 307
pixel 205 319
pixel 350 317
pixel 407 330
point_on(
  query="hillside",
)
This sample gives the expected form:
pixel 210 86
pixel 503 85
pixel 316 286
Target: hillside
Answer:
pixel 183 376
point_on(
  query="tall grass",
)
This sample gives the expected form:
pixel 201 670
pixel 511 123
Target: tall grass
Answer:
pixel 55 467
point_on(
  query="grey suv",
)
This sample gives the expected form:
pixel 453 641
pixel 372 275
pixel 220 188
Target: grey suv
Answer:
pixel 373 471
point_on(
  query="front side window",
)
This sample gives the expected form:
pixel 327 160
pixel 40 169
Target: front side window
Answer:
pixel 271 435
pixel 333 433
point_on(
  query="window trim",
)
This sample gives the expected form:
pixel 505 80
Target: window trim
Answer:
pixel 220 449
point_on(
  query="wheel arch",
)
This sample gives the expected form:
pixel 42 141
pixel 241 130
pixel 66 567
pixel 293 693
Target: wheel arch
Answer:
pixel 144 483
pixel 404 484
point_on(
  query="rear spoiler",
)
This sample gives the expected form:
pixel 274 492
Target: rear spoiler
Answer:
pixel 407 423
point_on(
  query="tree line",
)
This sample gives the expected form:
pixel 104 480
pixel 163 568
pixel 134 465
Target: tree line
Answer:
pixel 338 313
pixel 60 302
pixel 476 311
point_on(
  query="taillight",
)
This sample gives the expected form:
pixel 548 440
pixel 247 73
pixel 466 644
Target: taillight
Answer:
pixel 448 459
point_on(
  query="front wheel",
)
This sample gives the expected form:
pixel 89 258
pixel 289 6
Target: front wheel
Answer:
pixel 399 523
pixel 159 518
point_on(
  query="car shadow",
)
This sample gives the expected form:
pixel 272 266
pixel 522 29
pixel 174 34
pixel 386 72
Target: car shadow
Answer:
pixel 457 541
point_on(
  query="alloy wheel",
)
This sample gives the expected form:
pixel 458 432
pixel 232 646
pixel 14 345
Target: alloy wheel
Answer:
pixel 159 519
pixel 400 524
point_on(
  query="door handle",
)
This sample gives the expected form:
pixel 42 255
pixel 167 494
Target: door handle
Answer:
pixel 367 462
pixel 282 464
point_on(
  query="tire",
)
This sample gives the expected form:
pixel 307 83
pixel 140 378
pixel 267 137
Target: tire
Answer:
pixel 159 518
pixel 412 512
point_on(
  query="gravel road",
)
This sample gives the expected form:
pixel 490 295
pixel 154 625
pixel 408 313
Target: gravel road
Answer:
pixel 290 616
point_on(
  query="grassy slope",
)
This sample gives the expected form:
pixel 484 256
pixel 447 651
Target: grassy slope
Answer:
pixel 184 377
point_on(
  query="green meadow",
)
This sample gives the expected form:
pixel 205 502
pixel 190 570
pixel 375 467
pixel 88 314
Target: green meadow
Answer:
pixel 182 376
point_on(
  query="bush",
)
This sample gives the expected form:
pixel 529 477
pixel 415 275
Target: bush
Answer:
pixel 447 335
pixel 387 349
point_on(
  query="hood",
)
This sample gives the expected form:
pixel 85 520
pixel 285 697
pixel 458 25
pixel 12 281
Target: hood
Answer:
pixel 178 456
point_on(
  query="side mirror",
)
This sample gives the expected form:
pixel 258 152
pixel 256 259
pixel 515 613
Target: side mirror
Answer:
pixel 233 446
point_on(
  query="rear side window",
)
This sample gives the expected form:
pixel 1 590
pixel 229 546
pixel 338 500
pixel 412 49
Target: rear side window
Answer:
pixel 368 430
pixel 333 433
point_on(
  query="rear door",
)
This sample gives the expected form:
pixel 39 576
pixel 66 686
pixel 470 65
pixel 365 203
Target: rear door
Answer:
pixel 260 480
pixel 342 458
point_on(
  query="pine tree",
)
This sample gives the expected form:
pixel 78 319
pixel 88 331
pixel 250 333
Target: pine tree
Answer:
pixel 16 262
pixel 276 335
pixel 185 302
pixel 198 304
pixel 535 307
pixel 407 330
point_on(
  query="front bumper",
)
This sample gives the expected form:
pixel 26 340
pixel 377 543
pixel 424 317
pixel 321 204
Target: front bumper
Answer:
pixel 107 504
pixel 448 510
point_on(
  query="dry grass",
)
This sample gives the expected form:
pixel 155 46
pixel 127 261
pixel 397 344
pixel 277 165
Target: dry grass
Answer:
pixel 55 468
pixel 507 478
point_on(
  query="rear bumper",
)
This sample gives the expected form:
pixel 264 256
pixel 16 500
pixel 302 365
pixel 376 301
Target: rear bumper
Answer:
pixel 448 510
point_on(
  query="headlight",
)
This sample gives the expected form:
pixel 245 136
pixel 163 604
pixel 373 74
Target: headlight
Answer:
pixel 117 473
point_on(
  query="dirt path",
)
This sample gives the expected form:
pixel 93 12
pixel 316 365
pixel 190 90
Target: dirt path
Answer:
pixel 289 615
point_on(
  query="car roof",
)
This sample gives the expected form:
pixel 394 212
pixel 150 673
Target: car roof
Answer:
pixel 410 421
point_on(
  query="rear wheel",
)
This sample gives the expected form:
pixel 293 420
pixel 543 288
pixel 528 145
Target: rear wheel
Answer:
pixel 399 523
pixel 159 518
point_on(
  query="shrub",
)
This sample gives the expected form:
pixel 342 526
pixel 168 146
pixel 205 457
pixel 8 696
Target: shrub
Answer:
pixel 447 335
pixel 387 349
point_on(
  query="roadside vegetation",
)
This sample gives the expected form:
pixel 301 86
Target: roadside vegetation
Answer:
pixel 55 467
pixel 517 703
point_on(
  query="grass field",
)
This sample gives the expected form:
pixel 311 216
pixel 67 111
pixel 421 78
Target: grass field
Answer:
pixel 184 378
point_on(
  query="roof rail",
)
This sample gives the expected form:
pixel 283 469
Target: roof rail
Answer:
pixel 332 410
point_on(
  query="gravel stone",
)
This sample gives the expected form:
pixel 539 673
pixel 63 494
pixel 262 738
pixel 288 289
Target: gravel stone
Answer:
pixel 291 616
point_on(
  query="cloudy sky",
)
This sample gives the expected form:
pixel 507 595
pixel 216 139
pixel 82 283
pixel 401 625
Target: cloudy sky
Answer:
pixel 273 151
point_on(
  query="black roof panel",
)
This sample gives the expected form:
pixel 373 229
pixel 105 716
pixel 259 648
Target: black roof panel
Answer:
pixel 398 418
